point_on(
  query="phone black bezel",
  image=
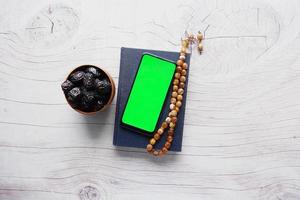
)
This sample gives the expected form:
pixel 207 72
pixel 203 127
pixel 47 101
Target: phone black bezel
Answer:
pixel 135 129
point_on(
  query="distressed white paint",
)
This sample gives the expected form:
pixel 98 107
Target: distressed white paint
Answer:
pixel 242 128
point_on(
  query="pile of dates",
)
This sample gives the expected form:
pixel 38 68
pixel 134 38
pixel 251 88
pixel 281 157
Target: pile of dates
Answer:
pixel 87 89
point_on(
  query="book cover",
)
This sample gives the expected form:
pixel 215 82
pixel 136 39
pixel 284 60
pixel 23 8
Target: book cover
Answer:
pixel 130 59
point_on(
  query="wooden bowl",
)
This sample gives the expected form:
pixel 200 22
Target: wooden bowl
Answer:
pixel 112 93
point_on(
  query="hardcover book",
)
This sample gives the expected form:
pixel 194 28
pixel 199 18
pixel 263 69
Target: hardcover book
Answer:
pixel 130 59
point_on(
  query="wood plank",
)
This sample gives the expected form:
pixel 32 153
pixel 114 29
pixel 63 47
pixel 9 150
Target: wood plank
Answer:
pixel 242 127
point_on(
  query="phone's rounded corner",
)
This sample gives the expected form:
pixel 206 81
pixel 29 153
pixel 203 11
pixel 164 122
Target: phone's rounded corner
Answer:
pixel 145 54
pixel 122 123
pixel 150 132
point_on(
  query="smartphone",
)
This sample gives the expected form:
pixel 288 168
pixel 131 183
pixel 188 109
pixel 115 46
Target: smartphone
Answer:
pixel 148 93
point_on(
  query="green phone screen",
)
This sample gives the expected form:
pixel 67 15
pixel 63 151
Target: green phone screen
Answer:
pixel 148 93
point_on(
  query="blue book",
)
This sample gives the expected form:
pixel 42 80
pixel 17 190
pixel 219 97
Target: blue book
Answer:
pixel 130 59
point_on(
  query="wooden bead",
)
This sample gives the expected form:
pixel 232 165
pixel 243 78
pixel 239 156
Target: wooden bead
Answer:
pixel 200 47
pixel 183 72
pixel 199 36
pixel 164 150
pixel 168 120
pixel 183 50
pixel 160 153
pixel 172 106
pixel 164 125
pixel 179 97
pixel 152 141
pixel 179 62
pixel 173 113
pixel 176 81
pixel 170 139
pixel 171 132
pixel 185 43
pixel 181 85
pixel 182 58
pixel 182 79
pixel 156 136
pixel 160 131
pixel 172 125
pixel 178 104
pixel 180 91
pixel 167 145
pixel 177 109
pixel 174 119
pixel 178 69
pixel 173 100
pixel 175 88
pixel 177 75
pixel 174 94
pixel 184 66
pixel 155 153
pixel 149 147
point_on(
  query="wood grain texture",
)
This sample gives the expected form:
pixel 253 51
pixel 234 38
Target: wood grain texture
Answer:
pixel 242 128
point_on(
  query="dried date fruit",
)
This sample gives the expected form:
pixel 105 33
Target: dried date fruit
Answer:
pixel 77 77
pixel 103 86
pixel 74 94
pixel 72 102
pixel 88 81
pixel 96 73
pixel 89 97
pixel 66 86
pixel 99 105
pixel 84 106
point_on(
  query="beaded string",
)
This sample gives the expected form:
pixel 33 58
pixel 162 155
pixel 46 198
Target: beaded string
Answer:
pixel 176 97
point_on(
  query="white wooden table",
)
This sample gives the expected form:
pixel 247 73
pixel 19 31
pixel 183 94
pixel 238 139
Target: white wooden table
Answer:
pixel 242 127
